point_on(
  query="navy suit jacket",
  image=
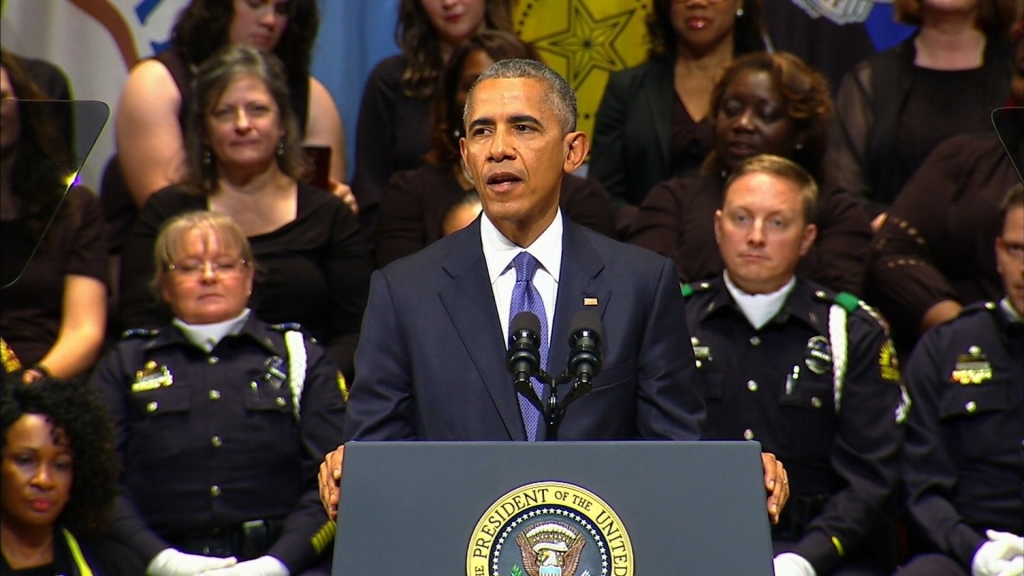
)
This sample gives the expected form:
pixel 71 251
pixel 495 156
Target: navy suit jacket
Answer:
pixel 431 358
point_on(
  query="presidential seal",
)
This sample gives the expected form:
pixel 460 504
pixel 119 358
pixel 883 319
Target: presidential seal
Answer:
pixel 549 529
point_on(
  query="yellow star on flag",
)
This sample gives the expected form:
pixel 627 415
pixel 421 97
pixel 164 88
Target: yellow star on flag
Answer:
pixel 585 41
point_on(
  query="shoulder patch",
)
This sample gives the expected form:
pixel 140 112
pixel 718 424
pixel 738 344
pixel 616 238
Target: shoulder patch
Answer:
pixel 139 333
pixel 888 363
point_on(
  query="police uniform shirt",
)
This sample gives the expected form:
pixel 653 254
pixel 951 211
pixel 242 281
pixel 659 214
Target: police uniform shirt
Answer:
pixel 776 385
pixel 214 439
pixel 964 453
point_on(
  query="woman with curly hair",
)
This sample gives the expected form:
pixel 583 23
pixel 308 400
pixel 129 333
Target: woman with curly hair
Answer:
pixel 394 131
pixel 59 471
pixel 654 121
pixel 764 104
pixel 151 114
pixel 54 265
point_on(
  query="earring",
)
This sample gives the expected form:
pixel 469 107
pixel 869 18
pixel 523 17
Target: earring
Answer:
pixel 739 13
pixel 799 145
pixel 280 147
pixel 207 159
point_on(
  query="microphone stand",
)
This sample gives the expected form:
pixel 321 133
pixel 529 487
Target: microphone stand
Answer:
pixel 554 409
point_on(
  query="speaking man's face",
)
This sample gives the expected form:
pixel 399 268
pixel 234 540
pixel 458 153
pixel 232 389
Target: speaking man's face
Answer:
pixel 515 153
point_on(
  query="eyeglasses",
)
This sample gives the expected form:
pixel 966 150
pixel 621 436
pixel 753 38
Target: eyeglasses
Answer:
pixel 219 268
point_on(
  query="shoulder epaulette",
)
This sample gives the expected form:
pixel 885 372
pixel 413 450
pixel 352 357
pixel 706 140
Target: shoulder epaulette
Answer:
pixel 976 307
pixel 139 333
pixel 692 288
pixel 848 301
pixel 851 303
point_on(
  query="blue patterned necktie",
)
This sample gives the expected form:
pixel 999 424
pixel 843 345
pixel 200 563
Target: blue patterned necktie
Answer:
pixel 525 298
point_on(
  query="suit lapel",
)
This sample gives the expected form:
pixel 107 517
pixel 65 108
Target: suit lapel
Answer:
pixel 579 288
pixel 469 302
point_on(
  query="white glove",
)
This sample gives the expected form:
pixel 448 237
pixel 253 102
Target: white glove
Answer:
pixel 790 564
pixel 262 566
pixel 170 562
pixel 1002 555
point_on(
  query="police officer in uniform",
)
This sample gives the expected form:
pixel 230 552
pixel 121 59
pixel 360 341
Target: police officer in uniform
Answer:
pixel 809 373
pixel 964 454
pixel 221 420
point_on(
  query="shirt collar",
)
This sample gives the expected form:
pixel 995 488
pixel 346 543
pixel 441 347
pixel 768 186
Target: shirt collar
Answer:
pixel 207 336
pixel 499 251
pixel 249 326
pixel 759 309
pixel 1011 315
pixel 799 305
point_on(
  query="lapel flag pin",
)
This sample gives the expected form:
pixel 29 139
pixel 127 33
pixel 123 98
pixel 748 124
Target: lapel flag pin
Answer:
pixel 590 301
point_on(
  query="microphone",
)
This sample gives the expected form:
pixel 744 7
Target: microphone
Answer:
pixel 585 354
pixel 523 358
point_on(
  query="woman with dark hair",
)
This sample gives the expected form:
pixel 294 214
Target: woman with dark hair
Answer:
pixel 894 108
pixel 764 104
pixel 933 254
pixel 153 108
pixel 59 472
pixel 54 265
pixel 394 131
pixel 243 158
pixel 653 122
pixel 417 202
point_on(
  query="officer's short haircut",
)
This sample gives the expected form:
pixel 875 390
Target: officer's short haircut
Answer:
pixel 781 168
pixel 558 93
pixel 1014 199
pixel 170 242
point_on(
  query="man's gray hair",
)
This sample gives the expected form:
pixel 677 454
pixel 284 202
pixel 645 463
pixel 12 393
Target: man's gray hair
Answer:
pixel 559 94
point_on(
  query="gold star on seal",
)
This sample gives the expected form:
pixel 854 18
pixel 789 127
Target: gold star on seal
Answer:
pixel 588 42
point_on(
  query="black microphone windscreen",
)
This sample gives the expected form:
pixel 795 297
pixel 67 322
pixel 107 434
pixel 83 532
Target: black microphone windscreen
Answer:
pixel 526 320
pixel 585 319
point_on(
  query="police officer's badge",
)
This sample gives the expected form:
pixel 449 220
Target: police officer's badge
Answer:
pixel 818 355
pixel 549 529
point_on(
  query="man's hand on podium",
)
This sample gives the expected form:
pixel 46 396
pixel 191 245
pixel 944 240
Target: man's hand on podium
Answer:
pixel 330 481
pixel 776 482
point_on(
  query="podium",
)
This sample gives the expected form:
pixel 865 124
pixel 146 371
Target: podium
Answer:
pixel 553 509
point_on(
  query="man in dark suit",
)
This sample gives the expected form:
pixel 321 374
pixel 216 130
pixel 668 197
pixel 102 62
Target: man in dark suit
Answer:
pixel 430 363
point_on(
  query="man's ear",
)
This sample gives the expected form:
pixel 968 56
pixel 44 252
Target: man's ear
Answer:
pixel 577 148
pixel 810 233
